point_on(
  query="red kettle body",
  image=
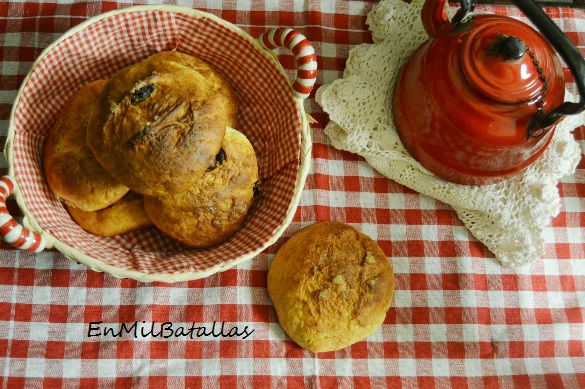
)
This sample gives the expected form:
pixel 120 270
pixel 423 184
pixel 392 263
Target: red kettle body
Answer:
pixel 479 101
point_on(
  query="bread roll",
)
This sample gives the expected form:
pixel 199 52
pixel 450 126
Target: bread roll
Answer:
pixel 159 124
pixel 70 168
pixel 215 206
pixel 126 215
pixel 331 286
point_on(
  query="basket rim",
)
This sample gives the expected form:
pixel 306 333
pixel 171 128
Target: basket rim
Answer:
pixel 98 265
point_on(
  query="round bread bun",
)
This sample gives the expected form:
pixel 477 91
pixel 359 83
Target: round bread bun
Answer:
pixel 331 286
pixel 70 168
pixel 215 207
pixel 125 215
pixel 158 125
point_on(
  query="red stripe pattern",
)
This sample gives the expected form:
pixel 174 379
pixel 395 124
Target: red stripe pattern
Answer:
pixel 10 230
pixel 305 57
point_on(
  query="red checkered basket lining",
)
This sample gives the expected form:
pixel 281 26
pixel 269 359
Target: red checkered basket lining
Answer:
pixel 269 116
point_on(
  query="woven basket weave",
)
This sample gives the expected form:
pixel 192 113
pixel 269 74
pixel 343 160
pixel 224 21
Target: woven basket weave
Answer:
pixel 270 116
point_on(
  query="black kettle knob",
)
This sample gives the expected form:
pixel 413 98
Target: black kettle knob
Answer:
pixel 512 47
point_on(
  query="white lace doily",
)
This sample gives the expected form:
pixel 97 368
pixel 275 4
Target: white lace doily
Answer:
pixel 508 217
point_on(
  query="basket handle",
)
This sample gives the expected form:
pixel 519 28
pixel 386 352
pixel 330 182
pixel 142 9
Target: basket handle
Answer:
pixel 12 232
pixel 305 57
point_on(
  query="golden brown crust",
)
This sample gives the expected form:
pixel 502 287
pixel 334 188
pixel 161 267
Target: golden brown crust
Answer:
pixel 213 209
pixel 70 168
pixel 331 286
pixel 158 125
pixel 124 216
pixel 210 74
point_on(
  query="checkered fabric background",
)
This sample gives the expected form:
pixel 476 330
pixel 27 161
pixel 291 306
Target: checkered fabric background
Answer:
pixel 458 318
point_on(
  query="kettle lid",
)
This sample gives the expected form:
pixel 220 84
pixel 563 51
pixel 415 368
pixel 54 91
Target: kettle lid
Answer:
pixel 504 61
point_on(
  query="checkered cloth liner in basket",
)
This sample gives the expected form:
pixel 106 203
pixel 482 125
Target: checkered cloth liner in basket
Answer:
pixel 268 116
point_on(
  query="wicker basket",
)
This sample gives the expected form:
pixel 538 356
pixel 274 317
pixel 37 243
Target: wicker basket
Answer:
pixel 271 116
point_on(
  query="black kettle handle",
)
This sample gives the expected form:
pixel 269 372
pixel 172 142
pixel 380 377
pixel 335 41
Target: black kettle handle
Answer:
pixel 466 8
pixel 570 55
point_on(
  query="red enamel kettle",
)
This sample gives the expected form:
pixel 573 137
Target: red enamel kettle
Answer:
pixel 479 101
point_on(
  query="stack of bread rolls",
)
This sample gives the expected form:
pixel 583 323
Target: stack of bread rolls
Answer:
pixel 155 144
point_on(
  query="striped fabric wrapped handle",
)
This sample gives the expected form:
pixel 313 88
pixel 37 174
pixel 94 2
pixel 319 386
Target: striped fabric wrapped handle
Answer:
pixel 305 57
pixel 12 232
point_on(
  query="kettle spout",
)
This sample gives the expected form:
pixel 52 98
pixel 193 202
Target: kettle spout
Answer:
pixel 436 20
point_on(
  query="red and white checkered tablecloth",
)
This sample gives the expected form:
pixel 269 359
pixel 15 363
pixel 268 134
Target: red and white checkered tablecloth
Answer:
pixel 458 318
